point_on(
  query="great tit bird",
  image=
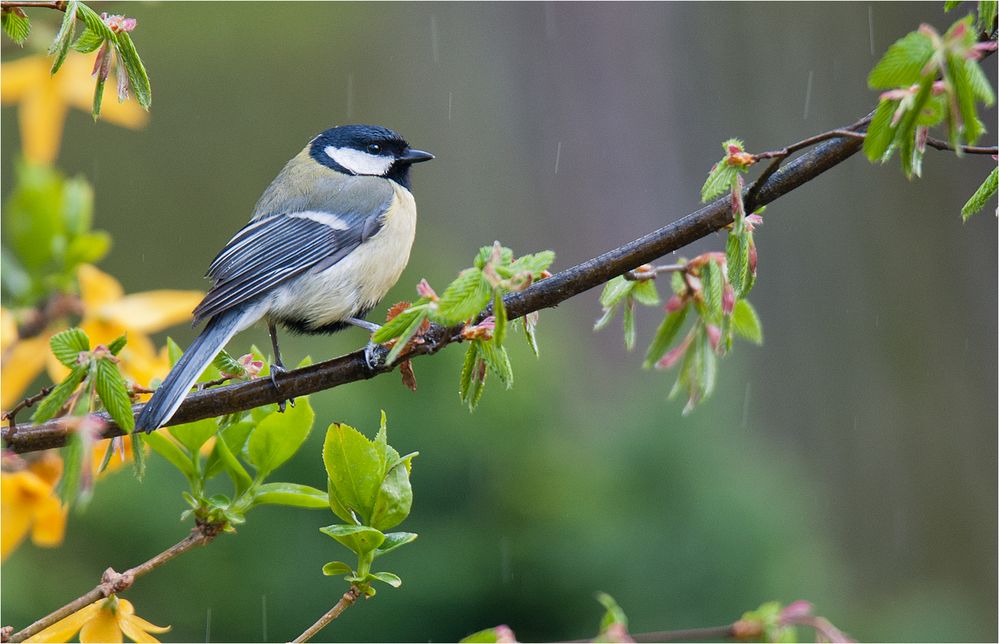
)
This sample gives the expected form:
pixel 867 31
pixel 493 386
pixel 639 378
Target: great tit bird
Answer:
pixel 328 238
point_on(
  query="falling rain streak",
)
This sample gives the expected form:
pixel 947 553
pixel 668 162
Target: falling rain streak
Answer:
pixel 870 26
pixel 558 155
pixel 808 96
pixel 450 101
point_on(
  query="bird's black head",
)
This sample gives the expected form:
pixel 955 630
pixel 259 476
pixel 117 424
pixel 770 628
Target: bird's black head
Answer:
pixel 366 150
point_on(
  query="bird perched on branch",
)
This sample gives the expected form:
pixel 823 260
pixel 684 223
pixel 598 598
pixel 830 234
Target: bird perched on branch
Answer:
pixel 328 238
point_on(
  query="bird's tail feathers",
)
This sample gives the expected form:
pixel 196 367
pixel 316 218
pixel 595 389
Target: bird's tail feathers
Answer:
pixel 182 377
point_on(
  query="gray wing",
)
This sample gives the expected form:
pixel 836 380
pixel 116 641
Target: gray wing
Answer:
pixel 271 250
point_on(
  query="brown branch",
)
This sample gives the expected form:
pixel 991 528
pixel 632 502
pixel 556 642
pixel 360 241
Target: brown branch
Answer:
pixel 35 4
pixel 713 633
pixel 542 294
pixel 966 149
pixel 345 602
pixel 113 582
pixel 27 402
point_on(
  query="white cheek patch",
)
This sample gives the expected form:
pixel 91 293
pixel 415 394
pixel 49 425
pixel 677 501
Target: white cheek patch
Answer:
pixel 359 162
pixel 325 218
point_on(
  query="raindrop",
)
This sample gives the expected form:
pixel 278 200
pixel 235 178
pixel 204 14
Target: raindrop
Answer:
pixel 558 155
pixel 870 26
pixel 433 40
pixel 808 96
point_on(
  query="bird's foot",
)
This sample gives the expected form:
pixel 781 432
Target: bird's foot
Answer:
pixel 275 370
pixel 374 355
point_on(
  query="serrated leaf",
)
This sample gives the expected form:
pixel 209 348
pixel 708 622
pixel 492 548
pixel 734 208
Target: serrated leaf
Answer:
pixel 499 317
pixel 980 85
pixel 985 192
pixel 60 46
pixel 628 320
pixel 880 133
pixel 986 15
pixel 88 42
pixel 16 26
pixel 905 134
pixel 58 397
pixel 137 77
pixel 665 334
pixel 613 613
pixel 737 260
pixel 406 336
pixel 118 344
pixel 645 293
pixel 68 345
pixel 719 181
pixel 708 363
pixel 714 284
pixel 933 112
pixel 113 393
pixel 278 436
pixel 497 360
pixel 468 294
pixel 94 22
pixel 965 94
pixel 465 380
pixel 534 263
pixel 615 290
pixel 225 363
pixel 396 326
pixel 678 283
pixel 746 323
pixel 903 63
pixel 95 108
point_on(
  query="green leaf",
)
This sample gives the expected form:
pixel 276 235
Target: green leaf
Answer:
pixel 880 133
pixel 645 293
pixel 118 344
pixel 678 283
pixel 361 539
pixel 615 290
pixel 665 335
pixel 533 264
pixel 278 436
pixel 465 382
pixel 337 568
pixel 194 435
pixel 905 134
pixel 464 297
pixel 903 63
pixel 137 76
pixel 629 323
pixel 88 248
pixel 386 577
pixel 613 613
pixel 72 473
pixel 986 15
pixel 356 467
pixel 708 362
pixel 58 397
pixel 68 345
pixel 737 259
pixel 406 336
pixel 395 497
pixel 224 455
pixel 746 323
pixel 965 94
pixel 720 180
pixel 394 540
pixel 138 454
pixel 174 352
pixel 173 454
pixel 113 392
pixel 714 283
pixel 94 22
pixel 88 42
pixel 980 85
pixel 499 317
pixel 530 322
pixel 985 192
pixel 60 46
pixel 16 26
pixel 488 636
pixel 95 108
pixel 398 325
pixel 951 4
pixel 225 363
pixel 498 360
pixel 933 112
pixel 294 494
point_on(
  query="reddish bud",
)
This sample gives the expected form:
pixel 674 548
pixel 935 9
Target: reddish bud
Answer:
pixel 675 303
pixel 752 221
pixel 251 367
pixel 102 64
pixel 481 331
pixel 118 23
pixel 674 354
pixel 427 291
pixel 504 634
pixel 747 629
pixel 714 336
pixel 795 612
pixel 617 632
pixel 728 299
pixel 752 258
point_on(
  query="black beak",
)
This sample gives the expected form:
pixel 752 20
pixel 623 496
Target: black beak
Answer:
pixel 415 156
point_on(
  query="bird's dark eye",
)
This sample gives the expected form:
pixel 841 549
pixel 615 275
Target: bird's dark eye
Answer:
pixel 374 148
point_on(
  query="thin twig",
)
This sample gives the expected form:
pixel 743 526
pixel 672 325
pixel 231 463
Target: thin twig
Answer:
pixel 27 402
pixel 543 294
pixel 966 149
pixel 648 272
pixel 113 582
pixel 713 633
pixel 35 4
pixel 345 602
pixel 201 386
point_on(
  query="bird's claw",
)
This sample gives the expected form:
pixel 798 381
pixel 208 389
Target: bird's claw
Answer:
pixel 374 355
pixel 279 369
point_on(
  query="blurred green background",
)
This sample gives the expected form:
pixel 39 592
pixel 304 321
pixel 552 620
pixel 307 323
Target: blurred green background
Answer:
pixel 851 460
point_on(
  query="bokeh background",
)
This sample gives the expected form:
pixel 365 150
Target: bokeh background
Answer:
pixel 851 460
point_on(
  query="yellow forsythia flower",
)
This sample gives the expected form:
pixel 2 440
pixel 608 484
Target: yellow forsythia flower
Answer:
pixel 28 503
pixel 105 620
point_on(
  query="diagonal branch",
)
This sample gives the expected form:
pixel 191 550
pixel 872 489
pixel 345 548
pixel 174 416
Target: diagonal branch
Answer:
pixel 543 294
